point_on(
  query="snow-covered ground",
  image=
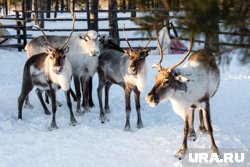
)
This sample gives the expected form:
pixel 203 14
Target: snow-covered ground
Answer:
pixel 29 143
pixel 90 144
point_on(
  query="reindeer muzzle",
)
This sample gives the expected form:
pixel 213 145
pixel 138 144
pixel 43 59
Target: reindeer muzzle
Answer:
pixel 57 70
pixel 152 99
pixel 132 71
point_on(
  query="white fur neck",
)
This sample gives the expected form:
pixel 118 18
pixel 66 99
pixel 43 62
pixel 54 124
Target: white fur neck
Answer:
pixel 137 80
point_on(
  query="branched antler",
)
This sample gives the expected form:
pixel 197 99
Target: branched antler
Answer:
pixel 73 27
pixel 126 38
pixel 158 65
pixel 186 55
pixel 39 28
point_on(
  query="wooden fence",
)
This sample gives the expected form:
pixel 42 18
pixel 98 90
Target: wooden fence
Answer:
pixel 23 30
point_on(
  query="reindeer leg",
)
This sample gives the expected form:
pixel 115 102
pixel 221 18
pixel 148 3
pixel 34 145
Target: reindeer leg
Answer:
pixel 39 94
pixel 27 86
pixel 138 108
pixel 183 149
pixel 73 94
pixel 73 121
pixel 27 103
pixel 191 135
pixel 107 87
pixel 85 94
pixel 101 84
pixel 128 108
pixel 53 124
pixel 90 85
pixel 214 148
pixel 202 128
pixel 78 95
pixel 47 95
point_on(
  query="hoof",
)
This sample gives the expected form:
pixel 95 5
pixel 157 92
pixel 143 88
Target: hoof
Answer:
pixel 127 129
pixel 91 105
pixel 107 110
pixel 86 110
pixel 79 113
pixel 47 112
pixel 192 136
pixel 103 119
pixel 181 153
pixel 28 106
pixel 139 125
pixel 53 126
pixel 202 130
pixel 73 123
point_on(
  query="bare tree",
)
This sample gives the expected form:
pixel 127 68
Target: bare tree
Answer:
pixel 113 25
pixel 48 8
pixel 94 15
pixel 56 8
pixel 62 5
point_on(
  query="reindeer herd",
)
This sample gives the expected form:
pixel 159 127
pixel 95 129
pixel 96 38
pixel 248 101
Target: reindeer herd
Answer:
pixel 53 61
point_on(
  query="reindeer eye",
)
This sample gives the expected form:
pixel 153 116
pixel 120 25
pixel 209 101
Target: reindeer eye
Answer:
pixel 166 82
pixel 142 59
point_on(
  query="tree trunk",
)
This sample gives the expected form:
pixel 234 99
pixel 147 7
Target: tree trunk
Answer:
pixel 73 4
pixel 88 13
pixel 48 8
pixel 132 5
pixel 56 8
pixel 35 6
pixel 41 23
pixel 94 15
pixel 62 5
pixel 113 25
pixel 6 7
pixel 67 5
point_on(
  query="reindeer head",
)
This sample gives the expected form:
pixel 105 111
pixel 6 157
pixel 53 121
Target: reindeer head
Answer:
pixel 57 58
pixel 167 80
pixel 57 55
pixel 91 43
pixel 136 57
pixel 107 42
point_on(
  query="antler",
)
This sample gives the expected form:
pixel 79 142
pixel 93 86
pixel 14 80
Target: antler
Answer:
pixel 158 65
pixel 186 55
pixel 39 28
pixel 73 27
pixel 127 38
pixel 147 43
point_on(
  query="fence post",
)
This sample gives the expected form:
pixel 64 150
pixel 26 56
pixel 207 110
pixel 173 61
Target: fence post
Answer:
pixel 88 14
pixel 24 29
pixel 18 23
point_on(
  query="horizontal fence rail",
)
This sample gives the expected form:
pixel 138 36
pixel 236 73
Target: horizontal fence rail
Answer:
pixel 24 30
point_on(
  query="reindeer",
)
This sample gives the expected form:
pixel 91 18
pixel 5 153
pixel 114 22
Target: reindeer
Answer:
pixel 188 88
pixel 83 57
pixel 127 70
pixel 48 71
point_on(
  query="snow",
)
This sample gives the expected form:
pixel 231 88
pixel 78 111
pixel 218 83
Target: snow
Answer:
pixel 90 143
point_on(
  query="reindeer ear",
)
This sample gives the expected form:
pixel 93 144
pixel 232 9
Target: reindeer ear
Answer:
pixel 126 52
pixel 66 49
pixel 48 50
pixel 148 52
pixel 181 78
